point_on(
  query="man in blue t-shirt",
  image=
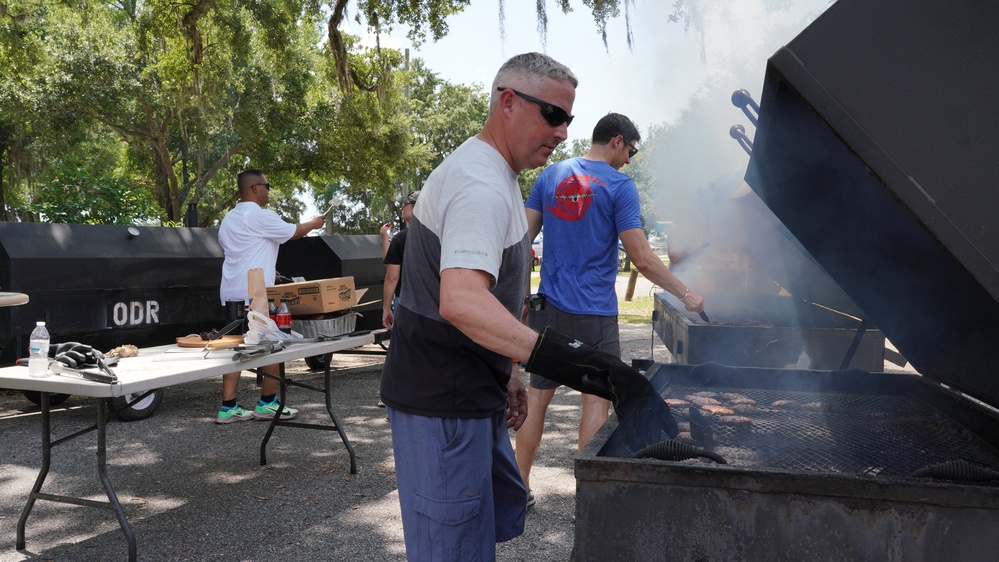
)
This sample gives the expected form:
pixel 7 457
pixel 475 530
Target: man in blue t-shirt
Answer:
pixel 585 204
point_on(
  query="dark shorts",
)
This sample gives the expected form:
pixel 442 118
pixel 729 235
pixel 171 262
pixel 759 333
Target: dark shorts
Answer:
pixel 600 332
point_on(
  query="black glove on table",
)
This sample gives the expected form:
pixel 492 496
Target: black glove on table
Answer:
pixel 642 414
pixel 74 354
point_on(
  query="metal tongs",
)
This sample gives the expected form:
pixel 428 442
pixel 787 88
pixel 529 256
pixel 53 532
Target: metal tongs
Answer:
pixel 111 376
pixel 214 335
pixel 105 375
pixel 246 352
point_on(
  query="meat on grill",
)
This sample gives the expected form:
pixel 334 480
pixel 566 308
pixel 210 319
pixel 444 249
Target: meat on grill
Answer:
pixel 735 420
pixel 745 409
pixel 806 406
pixel 717 410
pixel 701 400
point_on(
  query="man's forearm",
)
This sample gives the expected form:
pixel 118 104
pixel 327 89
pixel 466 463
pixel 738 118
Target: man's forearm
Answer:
pixel 657 272
pixel 389 284
pixel 468 305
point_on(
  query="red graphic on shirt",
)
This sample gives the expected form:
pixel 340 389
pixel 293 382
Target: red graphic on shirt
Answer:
pixel 573 197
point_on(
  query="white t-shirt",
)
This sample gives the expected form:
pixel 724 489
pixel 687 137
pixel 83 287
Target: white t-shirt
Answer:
pixel 250 237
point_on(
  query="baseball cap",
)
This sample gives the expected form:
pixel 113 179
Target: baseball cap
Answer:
pixel 410 199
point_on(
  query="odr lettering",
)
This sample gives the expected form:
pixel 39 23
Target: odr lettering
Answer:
pixel 136 313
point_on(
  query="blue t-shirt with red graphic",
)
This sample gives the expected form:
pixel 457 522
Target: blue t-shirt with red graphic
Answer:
pixel 585 204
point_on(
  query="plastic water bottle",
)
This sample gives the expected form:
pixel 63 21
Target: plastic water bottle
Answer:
pixel 283 318
pixel 38 358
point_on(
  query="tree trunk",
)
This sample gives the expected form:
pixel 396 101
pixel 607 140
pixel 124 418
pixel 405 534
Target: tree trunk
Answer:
pixel 632 280
pixel 337 46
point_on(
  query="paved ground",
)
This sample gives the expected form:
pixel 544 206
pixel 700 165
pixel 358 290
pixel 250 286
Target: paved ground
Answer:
pixel 194 490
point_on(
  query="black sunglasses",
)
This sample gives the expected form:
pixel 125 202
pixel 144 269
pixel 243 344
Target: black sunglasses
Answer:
pixel 632 151
pixel 267 185
pixel 554 114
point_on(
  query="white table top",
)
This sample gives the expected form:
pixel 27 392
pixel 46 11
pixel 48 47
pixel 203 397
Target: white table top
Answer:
pixel 13 299
pixel 166 365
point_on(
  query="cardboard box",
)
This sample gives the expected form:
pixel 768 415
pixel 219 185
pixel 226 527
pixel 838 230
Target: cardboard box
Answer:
pixel 316 297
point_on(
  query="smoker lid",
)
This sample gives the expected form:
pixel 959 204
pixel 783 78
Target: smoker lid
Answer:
pixel 875 147
pixel 762 237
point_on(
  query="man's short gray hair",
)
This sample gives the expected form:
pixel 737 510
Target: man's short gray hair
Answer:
pixel 521 70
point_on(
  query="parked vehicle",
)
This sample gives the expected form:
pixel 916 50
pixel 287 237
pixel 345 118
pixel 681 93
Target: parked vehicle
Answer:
pixel 536 249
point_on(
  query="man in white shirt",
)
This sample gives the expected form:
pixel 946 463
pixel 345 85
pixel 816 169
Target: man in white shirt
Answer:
pixel 250 236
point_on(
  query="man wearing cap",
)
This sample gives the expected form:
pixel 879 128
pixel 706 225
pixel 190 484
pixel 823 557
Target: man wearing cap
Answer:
pixel 393 252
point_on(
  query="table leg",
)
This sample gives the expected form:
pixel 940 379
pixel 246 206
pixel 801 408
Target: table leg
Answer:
pixel 47 444
pixel 42 473
pixel 276 418
pixel 327 392
pixel 336 421
pixel 106 482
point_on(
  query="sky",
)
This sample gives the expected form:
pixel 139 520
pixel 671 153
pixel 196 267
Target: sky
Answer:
pixel 651 82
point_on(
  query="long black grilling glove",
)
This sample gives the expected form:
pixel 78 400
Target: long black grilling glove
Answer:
pixel 74 354
pixel 642 414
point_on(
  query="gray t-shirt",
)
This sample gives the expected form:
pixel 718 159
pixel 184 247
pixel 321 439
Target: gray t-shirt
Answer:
pixel 470 215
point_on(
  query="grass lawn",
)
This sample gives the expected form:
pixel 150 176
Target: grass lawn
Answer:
pixel 637 311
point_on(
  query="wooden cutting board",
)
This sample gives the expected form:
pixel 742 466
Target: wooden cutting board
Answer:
pixel 196 341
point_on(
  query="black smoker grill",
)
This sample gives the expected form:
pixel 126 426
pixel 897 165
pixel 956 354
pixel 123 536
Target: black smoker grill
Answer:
pixel 801 484
pixel 875 149
pixel 114 285
pixel 108 285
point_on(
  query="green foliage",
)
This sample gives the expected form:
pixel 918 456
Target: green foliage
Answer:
pixel 420 16
pixel 72 192
pixel 168 101
pixel 444 115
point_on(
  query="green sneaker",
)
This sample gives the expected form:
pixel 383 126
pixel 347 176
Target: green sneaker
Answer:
pixel 266 411
pixel 234 414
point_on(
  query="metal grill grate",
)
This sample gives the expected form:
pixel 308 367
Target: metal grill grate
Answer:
pixel 873 435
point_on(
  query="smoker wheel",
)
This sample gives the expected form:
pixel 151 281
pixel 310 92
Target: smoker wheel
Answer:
pixel 673 450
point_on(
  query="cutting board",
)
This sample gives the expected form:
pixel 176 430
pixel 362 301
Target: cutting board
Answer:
pixel 196 341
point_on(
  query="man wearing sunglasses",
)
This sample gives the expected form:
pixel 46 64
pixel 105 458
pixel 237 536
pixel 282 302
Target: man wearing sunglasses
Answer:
pixel 447 383
pixel 585 204
pixel 250 236
pixel 450 383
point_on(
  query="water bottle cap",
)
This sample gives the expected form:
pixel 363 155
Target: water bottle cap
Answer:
pixel 39 323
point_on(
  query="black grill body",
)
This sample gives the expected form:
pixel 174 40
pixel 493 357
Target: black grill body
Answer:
pixel 108 285
pixel 832 483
